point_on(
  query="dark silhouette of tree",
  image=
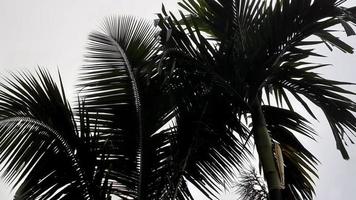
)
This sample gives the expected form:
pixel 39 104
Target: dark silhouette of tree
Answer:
pixel 158 108
pixel 245 52
pixel 126 136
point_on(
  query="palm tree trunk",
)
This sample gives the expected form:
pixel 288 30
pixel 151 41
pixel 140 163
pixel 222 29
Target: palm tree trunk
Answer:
pixel 264 149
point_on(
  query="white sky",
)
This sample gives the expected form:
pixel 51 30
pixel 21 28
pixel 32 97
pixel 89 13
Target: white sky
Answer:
pixel 53 34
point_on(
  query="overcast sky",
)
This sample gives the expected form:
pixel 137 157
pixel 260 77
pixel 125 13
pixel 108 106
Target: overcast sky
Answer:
pixel 53 34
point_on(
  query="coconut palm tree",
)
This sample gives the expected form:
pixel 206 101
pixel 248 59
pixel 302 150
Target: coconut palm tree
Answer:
pixel 234 55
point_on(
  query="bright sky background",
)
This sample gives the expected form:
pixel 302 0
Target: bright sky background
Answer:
pixel 53 34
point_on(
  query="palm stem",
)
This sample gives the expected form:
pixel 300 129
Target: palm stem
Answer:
pixel 264 149
pixel 139 119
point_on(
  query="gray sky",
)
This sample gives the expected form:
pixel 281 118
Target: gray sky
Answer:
pixel 53 34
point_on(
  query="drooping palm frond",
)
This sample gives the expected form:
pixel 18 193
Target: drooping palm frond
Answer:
pixel 27 143
pixel 31 96
pixel 324 93
pixel 126 110
pixel 110 95
pixel 38 139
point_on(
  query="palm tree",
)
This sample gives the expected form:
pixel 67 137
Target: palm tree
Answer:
pixel 124 90
pixel 155 114
pixel 98 149
pixel 126 135
pixel 229 57
pixel 104 146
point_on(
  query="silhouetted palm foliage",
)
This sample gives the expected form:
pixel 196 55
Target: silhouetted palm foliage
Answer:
pixel 251 186
pixel 126 135
pixel 37 139
pixel 250 51
pixel 159 108
pixel 124 91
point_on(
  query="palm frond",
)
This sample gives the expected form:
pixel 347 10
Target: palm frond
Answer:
pixel 113 84
pixel 25 96
pixel 327 95
pixel 27 143
pixel 37 97
pixel 251 186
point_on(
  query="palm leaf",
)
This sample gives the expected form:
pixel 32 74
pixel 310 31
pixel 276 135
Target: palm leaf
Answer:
pixel 37 145
pixel 113 84
pixel 326 94
pixel 36 140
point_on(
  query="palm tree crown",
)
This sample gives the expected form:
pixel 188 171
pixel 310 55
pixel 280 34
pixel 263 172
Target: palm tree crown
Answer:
pixel 249 51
